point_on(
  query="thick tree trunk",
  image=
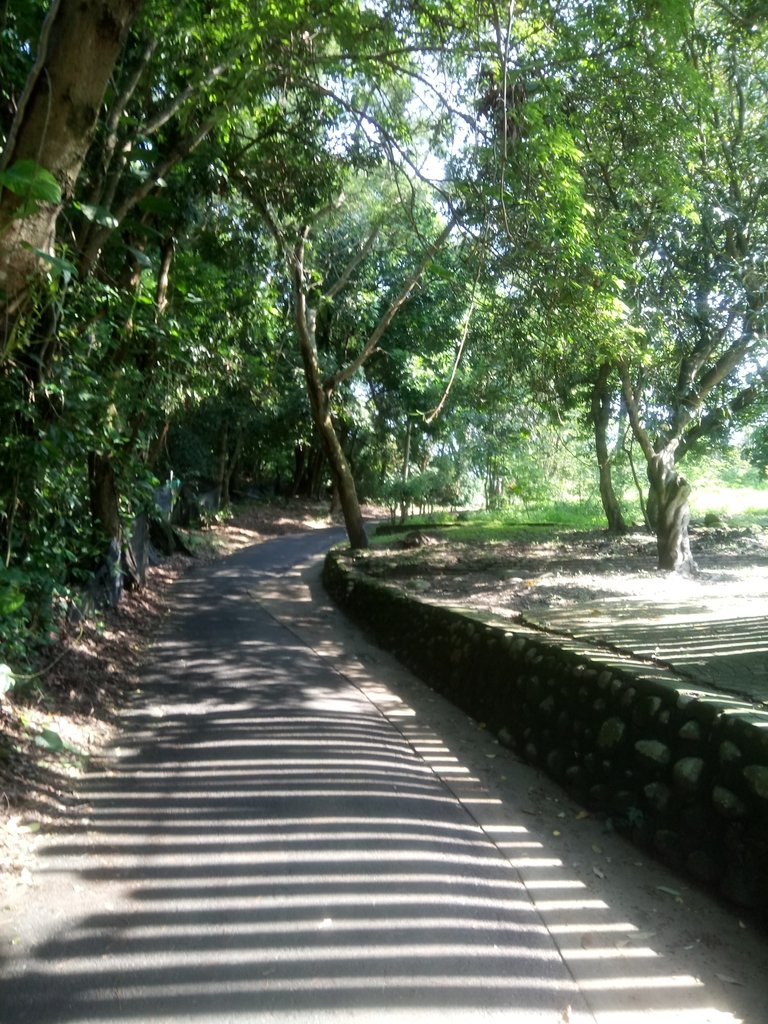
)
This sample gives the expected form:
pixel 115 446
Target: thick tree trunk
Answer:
pixel 601 417
pixel 54 126
pixel 105 507
pixel 668 498
pixel 343 480
pixel 667 510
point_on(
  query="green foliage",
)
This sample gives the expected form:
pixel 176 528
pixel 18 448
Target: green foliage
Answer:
pixel 606 161
pixel 33 185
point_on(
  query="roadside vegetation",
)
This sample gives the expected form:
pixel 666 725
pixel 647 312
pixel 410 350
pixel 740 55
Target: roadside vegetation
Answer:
pixel 60 715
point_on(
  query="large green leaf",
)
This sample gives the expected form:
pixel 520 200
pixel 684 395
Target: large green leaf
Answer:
pixel 31 181
pixel 97 214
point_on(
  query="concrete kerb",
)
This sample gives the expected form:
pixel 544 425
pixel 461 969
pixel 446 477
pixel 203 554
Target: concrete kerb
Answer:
pixel 681 770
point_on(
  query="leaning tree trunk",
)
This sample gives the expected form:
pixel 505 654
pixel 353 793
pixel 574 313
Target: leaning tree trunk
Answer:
pixel 320 397
pixel 668 500
pixel 343 480
pixel 601 415
pixel 53 127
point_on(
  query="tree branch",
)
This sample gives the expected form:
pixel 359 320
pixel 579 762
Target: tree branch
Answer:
pixel 378 332
pixel 432 416
pixel 355 261
pixel 32 77
pixel 641 434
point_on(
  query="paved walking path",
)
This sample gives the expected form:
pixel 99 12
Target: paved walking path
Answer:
pixel 281 836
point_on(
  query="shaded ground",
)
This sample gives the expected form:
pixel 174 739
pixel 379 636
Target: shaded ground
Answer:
pixel 64 712
pixel 198 917
pixel 712 628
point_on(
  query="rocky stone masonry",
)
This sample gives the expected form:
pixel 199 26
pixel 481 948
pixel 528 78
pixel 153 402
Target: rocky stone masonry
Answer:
pixel 679 770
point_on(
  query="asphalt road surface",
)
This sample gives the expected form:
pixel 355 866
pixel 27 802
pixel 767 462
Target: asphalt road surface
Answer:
pixel 292 829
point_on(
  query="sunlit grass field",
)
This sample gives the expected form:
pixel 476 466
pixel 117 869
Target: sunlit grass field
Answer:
pixel 725 486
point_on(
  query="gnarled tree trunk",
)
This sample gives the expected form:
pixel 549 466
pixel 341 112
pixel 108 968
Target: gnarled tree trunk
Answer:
pixel 670 512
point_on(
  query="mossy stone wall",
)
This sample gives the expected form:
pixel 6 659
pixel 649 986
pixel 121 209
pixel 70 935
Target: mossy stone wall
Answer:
pixel 681 771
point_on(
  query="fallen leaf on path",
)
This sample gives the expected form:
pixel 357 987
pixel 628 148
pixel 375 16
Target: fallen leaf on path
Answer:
pixel 581 815
pixel 598 872
pixel 670 892
pixel 728 980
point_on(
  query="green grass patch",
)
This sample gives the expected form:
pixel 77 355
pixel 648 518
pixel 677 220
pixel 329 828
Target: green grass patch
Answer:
pixel 740 504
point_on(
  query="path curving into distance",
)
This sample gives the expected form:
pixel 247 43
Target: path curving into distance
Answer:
pixel 279 838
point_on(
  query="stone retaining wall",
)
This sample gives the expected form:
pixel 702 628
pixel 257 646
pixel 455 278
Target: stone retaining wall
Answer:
pixel 680 770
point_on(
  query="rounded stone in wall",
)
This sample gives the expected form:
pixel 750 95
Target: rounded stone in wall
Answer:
pixel 690 730
pixel 628 697
pixel 756 776
pixel 727 803
pixel 604 680
pixel 653 753
pixel 687 774
pixel 547 706
pixel 611 733
pixel 658 795
pixel 729 753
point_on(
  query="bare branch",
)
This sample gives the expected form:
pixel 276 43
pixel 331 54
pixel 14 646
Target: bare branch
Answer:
pixel 432 416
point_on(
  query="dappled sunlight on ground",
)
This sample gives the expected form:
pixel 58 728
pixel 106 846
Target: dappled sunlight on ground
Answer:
pixel 282 837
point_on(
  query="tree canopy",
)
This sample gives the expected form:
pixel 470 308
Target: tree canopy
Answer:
pixel 366 247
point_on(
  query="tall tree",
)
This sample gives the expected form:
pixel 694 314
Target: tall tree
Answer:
pixel 55 121
pixel 703 300
pixel 311 291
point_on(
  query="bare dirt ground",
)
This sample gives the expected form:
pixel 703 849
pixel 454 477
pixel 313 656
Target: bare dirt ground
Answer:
pixel 555 569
